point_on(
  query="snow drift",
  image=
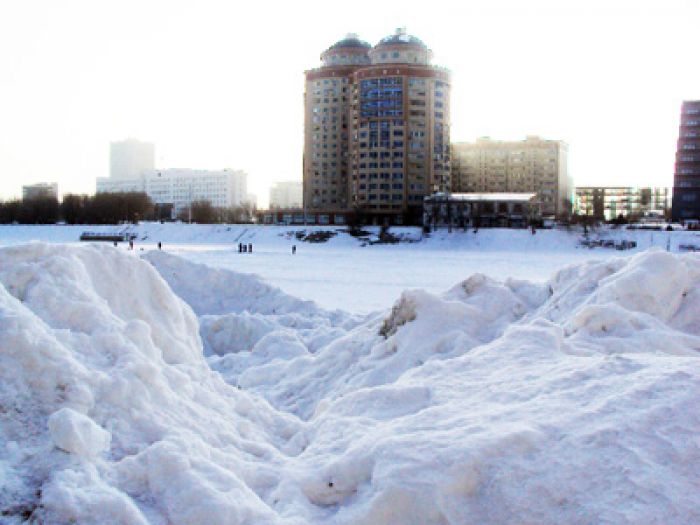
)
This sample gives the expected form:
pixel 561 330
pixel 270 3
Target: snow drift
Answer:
pixel 108 410
pixel 570 401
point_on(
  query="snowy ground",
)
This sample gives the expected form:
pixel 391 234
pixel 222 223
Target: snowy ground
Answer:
pixel 343 274
pixel 145 387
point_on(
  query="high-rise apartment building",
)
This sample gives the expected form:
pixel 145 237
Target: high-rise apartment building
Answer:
pixel 286 194
pixel 686 180
pixel 129 159
pixel 531 165
pixel 377 129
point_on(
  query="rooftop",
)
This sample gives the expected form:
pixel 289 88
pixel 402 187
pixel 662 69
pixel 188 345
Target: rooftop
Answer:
pixel 481 197
pixel 401 37
pixel 350 40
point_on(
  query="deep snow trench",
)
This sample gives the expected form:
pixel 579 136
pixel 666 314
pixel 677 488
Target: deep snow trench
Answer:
pixel 156 390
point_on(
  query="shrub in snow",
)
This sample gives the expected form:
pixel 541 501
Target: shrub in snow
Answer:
pixel 404 311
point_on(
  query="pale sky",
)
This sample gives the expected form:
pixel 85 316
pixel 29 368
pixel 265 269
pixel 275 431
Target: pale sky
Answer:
pixel 220 84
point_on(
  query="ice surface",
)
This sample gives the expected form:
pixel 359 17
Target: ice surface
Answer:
pixel 344 274
pixel 570 400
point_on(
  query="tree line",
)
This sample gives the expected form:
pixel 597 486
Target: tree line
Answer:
pixel 114 208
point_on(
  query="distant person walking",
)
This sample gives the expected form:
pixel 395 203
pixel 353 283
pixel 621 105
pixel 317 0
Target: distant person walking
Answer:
pixel 160 245
pixel 244 248
pixel 240 247
pixel 294 249
pixel 250 247
pixel 131 244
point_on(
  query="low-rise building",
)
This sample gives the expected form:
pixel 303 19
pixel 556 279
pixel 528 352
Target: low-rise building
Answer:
pixel 606 203
pixel 297 216
pixel 464 210
pixel 532 165
pixel 41 189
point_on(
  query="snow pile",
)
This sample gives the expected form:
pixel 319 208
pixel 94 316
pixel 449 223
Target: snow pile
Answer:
pixel 241 313
pixel 108 410
pixel 508 402
pixel 568 401
pixel 213 291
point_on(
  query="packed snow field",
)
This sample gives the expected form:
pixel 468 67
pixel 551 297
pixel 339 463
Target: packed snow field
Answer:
pixel 355 276
pixel 145 387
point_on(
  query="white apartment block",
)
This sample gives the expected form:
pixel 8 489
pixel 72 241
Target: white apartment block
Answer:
pixel 110 185
pixel 181 187
pixel 287 194
pixel 130 159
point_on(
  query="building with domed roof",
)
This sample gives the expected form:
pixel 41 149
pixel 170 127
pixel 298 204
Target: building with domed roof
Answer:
pixel 376 130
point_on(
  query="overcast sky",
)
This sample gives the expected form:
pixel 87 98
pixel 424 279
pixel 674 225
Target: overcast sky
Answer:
pixel 220 84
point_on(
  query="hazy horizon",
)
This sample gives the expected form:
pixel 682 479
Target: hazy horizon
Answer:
pixel 217 86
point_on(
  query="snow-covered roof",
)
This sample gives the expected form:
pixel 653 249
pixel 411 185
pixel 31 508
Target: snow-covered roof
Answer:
pixel 500 197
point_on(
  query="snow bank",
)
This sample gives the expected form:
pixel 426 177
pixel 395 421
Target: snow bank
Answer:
pixel 243 315
pixel 216 291
pixel 568 401
pixel 108 410
pixel 508 402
